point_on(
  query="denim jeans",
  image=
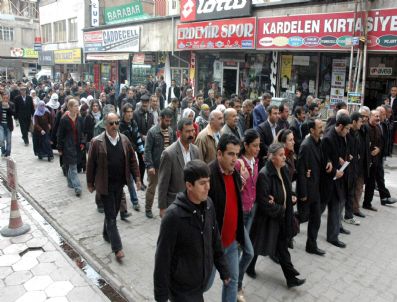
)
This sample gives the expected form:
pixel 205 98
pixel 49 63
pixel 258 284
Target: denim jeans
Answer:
pixel 131 189
pixel 73 178
pixel 247 254
pixel 5 140
pixel 229 292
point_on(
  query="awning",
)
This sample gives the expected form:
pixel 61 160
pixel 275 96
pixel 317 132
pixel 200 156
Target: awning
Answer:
pixel 108 57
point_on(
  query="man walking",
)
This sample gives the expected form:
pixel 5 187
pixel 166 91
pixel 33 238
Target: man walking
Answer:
pixel 231 124
pixel 24 111
pixel 173 160
pixel 260 110
pixel 158 138
pixel 111 161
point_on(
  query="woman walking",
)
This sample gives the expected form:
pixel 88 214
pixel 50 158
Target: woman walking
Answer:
pixel 42 121
pixel 6 124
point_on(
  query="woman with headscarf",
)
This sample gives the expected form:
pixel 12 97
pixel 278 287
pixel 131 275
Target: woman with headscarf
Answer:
pixel 42 121
pixel 35 98
pixel 202 119
pixel 189 114
pixel 272 225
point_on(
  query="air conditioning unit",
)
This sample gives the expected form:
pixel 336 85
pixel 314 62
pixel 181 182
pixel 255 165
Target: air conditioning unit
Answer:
pixel 173 7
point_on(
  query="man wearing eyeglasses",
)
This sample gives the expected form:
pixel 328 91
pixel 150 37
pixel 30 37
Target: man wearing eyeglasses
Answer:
pixel 110 153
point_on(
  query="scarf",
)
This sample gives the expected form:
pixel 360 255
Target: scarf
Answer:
pixel 41 109
pixel 96 115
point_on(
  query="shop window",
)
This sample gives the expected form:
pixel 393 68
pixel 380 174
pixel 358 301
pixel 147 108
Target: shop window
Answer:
pixel 60 31
pixel 72 23
pixel 46 33
pixel 6 33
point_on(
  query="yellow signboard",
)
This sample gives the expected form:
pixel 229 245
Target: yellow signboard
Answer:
pixel 67 56
pixel 30 53
pixel 286 66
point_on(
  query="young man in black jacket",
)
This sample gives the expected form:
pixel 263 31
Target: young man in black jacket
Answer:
pixel 189 243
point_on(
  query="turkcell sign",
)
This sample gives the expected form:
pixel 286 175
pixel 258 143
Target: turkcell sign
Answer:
pixel 200 10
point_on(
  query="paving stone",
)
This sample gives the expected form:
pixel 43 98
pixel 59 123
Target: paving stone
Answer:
pixel 37 242
pixel 15 248
pixel 12 293
pixel 36 296
pixel 26 263
pixel 38 283
pixel 43 269
pixel 4 242
pixel 5 271
pixel 7 260
pixel 51 256
pixel 87 292
pixel 57 299
pixel 17 278
pixel 63 273
pixel 22 238
pixel 59 289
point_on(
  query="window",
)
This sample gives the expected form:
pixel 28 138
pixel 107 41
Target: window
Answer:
pixel 60 31
pixel 46 33
pixel 6 33
pixel 73 29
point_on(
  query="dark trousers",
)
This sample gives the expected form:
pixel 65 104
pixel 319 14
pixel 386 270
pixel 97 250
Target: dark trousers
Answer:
pixel 44 146
pixel 335 207
pixel 310 211
pixel 283 255
pixel 349 201
pixel 36 143
pixel 376 173
pixel 123 204
pixel 24 124
pixel 142 166
pixel 111 204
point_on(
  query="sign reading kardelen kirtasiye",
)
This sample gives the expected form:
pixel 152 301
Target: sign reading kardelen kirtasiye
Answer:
pixel 200 10
pixel 124 13
pixel 118 39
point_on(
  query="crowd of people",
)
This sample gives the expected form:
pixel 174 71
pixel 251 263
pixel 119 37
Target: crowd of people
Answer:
pixel 235 178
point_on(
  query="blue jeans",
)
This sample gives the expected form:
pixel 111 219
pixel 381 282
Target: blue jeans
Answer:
pixel 131 189
pixel 73 178
pixel 246 257
pixel 229 292
pixel 5 140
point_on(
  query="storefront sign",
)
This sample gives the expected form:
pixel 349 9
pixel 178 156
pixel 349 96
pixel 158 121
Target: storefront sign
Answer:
pixel 67 56
pixel 381 71
pixel 219 34
pixel 124 13
pixel 94 13
pixel 27 53
pixel 46 58
pixel 327 31
pixel 286 69
pixel 112 40
pixel 338 73
pixel 108 57
pixel 138 59
pixel 200 10
pixel 337 95
pixel 354 98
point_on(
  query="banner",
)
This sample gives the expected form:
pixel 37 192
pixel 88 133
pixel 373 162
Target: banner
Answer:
pixel 27 53
pixel 119 39
pixel 67 56
pixel 327 31
pixel 46 58
pixel 219 34
pixel 200 10
pixel 124 13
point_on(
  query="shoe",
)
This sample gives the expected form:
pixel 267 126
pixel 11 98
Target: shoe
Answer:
pixel 50 159
pixel 371 208
pixel 353 221
pixel 387 201
pixel 275 259
pixel 40 157
pixel 100 210
pixel 240 296
pixel 251 273
pixel 136 207
pixel 338 243
pixel 125 215
pixel 78 193
pixel 119 255
pixel 149 214
pixel 315 251
pixel 295 272
pixel 359 214
pixel 295 282
pixel 344 231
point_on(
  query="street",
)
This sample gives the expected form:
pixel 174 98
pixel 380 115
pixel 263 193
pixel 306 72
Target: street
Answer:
pixel 364 271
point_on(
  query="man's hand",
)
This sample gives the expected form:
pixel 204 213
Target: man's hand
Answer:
pixel 338 174
pixel 271 199
pixel 375 152
pixel 294 199
pixel 42 132
pixel 162 212
pixel 227 281
pixel 151 171
pixel 91 189
pixel 308 173
pixel 350 157
pixel 328 167
pixel 138 185
pixel 341 161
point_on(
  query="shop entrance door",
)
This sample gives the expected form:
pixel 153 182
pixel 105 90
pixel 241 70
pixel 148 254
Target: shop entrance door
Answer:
pixel 230 81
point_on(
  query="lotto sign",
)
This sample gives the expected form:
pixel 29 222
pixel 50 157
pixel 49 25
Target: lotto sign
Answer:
pixel 199 10
pixel 219 34
pixel 327 31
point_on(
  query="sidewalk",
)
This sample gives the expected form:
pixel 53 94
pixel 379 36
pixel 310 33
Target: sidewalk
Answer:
pixel 33 268
pixel 364 271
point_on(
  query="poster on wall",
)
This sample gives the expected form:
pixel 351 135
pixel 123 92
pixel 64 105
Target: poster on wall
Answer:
pixel 286 66
pixel 354 98
pixel 337 95
pixel 192 70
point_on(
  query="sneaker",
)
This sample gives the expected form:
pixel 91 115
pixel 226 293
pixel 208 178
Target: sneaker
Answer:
pixel 78 193
pixel 240 296
pixel 353 221
pixel 136 207
pixel 125 215
pixel 149 214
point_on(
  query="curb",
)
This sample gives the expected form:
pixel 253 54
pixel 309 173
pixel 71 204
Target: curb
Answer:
pixel 107 274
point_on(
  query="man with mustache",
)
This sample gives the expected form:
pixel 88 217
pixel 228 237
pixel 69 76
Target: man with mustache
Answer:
pixel 172 162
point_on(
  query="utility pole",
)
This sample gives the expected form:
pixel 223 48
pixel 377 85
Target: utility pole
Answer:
pixel 366 8
pixel 350 85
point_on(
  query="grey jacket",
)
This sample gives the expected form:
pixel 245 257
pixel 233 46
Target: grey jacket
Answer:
pixel 171 180
pixel 238 133
pixel 154 146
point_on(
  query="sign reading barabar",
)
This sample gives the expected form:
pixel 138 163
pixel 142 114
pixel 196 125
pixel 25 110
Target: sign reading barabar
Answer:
pixel 112 40
pixel 327 31
pixel 124 13
pixel 200 10
pixel 219 34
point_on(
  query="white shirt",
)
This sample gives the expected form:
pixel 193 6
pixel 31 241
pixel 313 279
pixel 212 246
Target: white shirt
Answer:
pixel 186 154
pixel 273 127
pixel 172 92
pixel 112 140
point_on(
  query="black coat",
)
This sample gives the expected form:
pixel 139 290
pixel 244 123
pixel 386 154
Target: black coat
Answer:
pixel 266 139
pixel 70 148
pixel 144 124
pixel 23 109
pixel 177 92
pixel 271 219
pixel 89 124
pixel 296 129
pixel 218 195
pixel 187 248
